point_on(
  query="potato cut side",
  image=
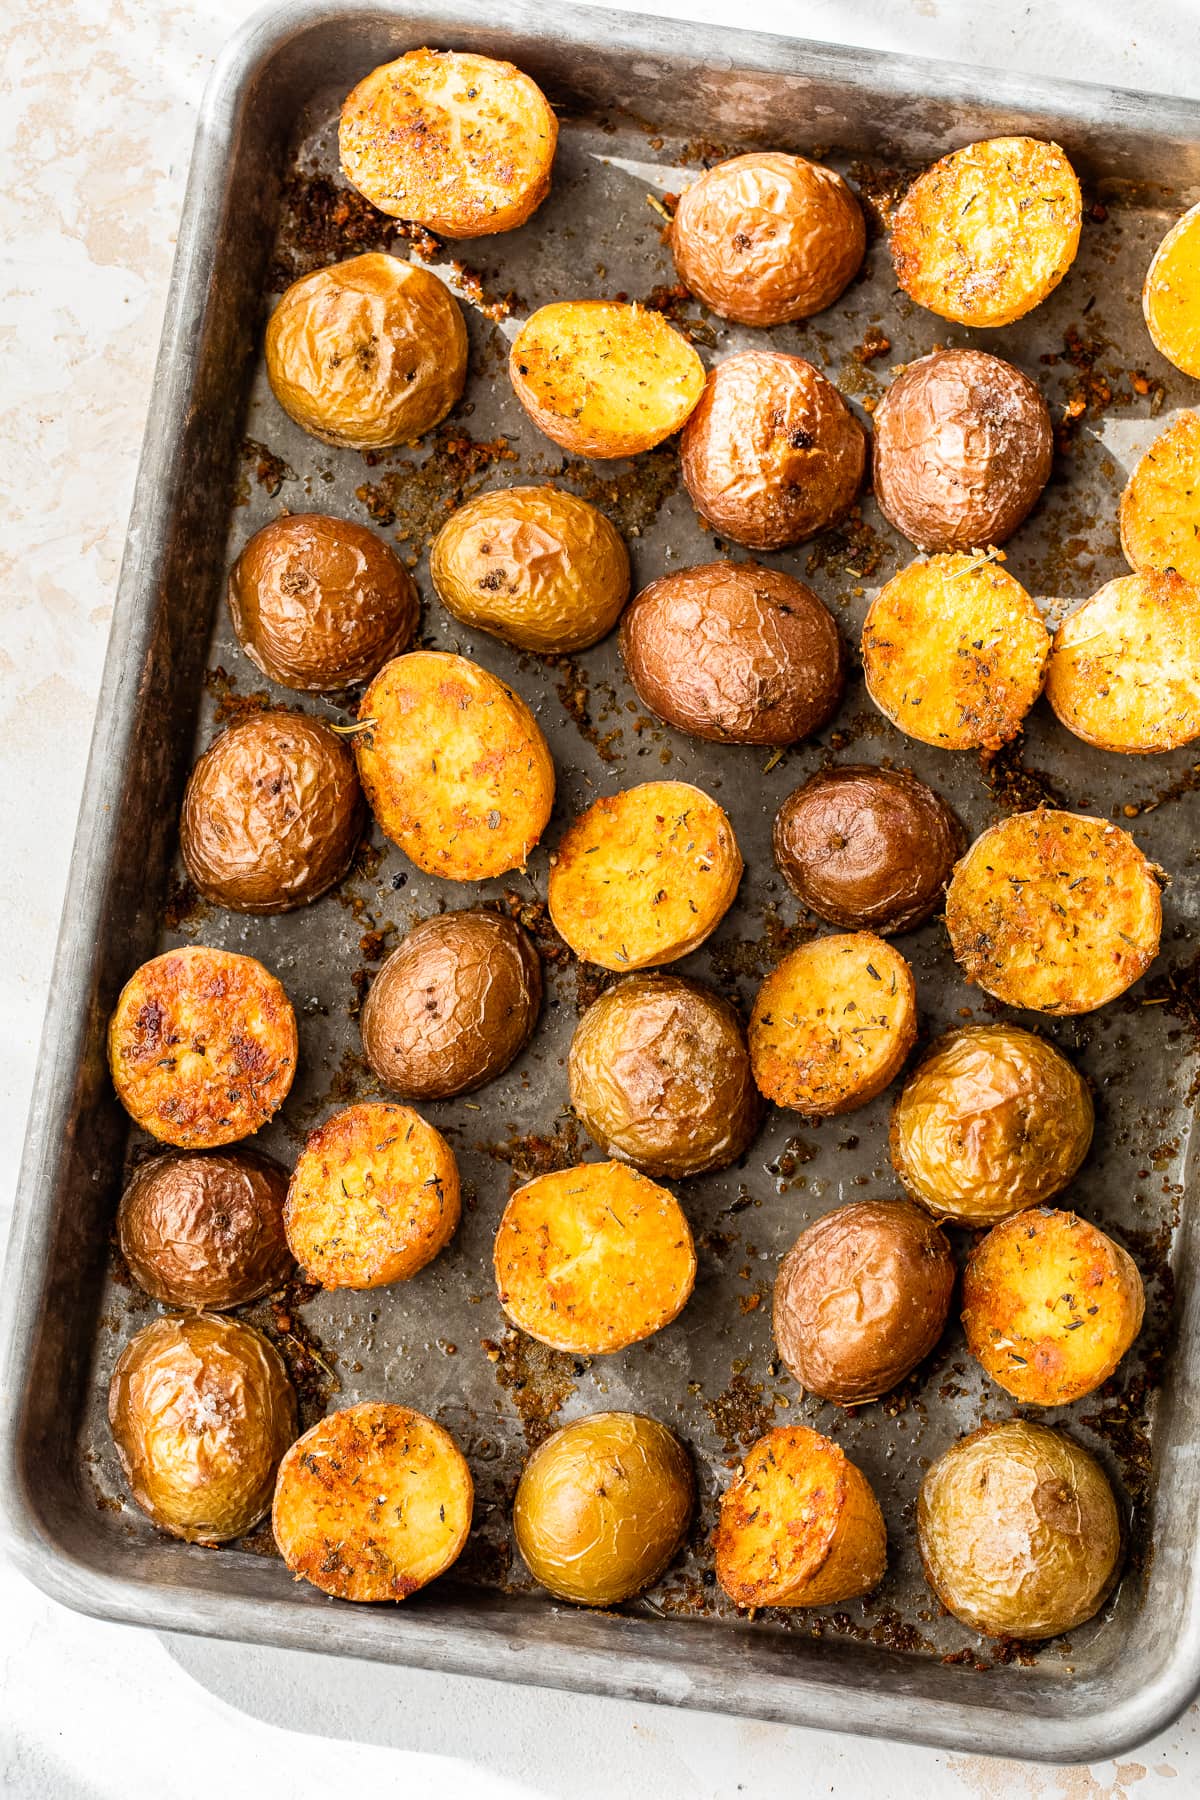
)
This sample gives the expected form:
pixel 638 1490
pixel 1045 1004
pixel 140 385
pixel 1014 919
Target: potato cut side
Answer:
pixel 593 1258
pixel 1124 670
pixel 954 652
pixel 372 1503
pixel 1171 295
pixel 1160 508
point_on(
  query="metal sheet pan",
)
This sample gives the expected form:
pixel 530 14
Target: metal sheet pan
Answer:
pixel 643 104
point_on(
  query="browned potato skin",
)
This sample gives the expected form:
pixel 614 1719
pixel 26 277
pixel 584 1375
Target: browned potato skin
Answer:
pixel 201 1411
pixel 320 603
pixel 866 848
pixel 205 1232
pixel 767 237
pixel 452 1006
pixel 772 454
pixel 734 653
pixel 602 1506
pixel 963 446
pixel 861 1298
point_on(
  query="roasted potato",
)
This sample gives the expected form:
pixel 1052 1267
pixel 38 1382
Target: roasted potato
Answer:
pixel 962 450
pixel 452 1006
pixel 454 766
pixel 1019 1531
pixel 374 1196
pixel 1160 508
pixel 985 234
pixel 1054 911
pixel 992 1121
pixel 205 1232
pixel 368 352
pixel 1124 669
pixel 642 877
pixel 535 566
pixel 202 1047
pixel 866 848
pixel 320 603
pixel 861 1298
pixel 833 1023
pixel 735 653
pixel 372 1503
pixel 594 1258
pixel 1171 295
pixel 659 1074
pixel 954 652
pixel 602 1506
pixel 201 1411
pixel 800 1526
pixel 772 454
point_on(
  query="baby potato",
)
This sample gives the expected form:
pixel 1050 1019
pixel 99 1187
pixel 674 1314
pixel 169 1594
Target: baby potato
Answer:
pixel 202 1047
pixel 205 1232
pixel 594 1258
pixel 985 234
pixel 955 652
pixel 368 352
pixel 604 378
pixel 642 877
pixel 994 1120
pixel 1054 911
pixel 800 1526
pixel 454 766
pixel 1124 669
pixel 767 238
pixel 1050 1306
pixel 602 1506
pixel 1160 508
pixel 459 143
pixel 535 566
pixel 772 454
pixel 201 1411
pixel 1171 294
pixel 833 1023
pixel 372 1503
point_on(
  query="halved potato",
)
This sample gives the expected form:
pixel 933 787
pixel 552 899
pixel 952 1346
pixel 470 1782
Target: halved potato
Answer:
pixel 1160 508
pixel 1171 294
pixel 1124 669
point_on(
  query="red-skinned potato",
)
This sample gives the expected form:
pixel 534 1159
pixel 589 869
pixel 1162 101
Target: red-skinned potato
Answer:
pixel 205 1232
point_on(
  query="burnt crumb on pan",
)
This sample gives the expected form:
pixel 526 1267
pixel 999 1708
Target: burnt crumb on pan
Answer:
pixel 1186 783
pixel 1014 786
pixel 310 1364
pixel 269 471
pixel 1092 390
pixel 185 908
pixel 233 706
pixel 537 1380
pixel 742 1413
pixel 573 690
pixel 853 548
pixel 631 500
pixel 672 301
pixel 786 1167
pixel 1126 1398
pixel 528 1154
pixel 590 980
pixel 706 152
pixel 470 284
pixel 880 188
pixel 737 959
pixel 323 222
pixel 418 496
pixel 1178 990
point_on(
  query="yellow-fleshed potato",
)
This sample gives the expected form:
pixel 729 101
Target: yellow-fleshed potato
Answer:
pixel 1171 294
pixel 833 1023
pixel 985 234
pixel 1054 911
pixel 800 1526
pixel 1124 669
pixel 594 1258
pixel 1050 1306
pixel 955 652
pixel 642 877
pixel 1160 508
pixel 535 566
pixel 374 1196
pixel 453 765
pixel 373 1503
pixel 604 378
pixel 202 1047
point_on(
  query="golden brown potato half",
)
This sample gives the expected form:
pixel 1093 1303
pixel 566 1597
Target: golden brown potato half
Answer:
pixel 767 237
pixel 772 454
pixel 1019 1531
pixel 643 876
pixel 454 766
pixel 1050 1306
pixel 955 652
pixel 992 1121
pixel 374 1196
pixel 985 234
pixel 535 566
pixel 833 1023
pixel 604 378
pixel 373 1503
pixel 1054 911
pixel 1171 295
pixel 205 1232
pixel 1160 508
pixel 1124 669
pixel 368 352
pixel 202 1047
pixel 201 1411
pixel 461 144
pixel 594 1258
pixel 602 1506
pixel 800 1526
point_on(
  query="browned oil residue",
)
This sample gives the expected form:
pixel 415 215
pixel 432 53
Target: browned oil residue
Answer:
pixel 539 1381
pixel 573 690
pixel 632 500
pixel 270 471
pixel 323 222
pixel 1013 785
pixel 853 548
pixel 740 1414
pixel 532 1155
pixel 417 497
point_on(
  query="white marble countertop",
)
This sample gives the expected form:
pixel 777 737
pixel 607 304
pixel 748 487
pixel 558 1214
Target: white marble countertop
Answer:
pixel 97 107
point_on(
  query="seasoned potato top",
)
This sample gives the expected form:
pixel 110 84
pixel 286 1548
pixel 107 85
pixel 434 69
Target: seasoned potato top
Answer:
pixel 1171 296
pixel 1160 508
pixel 1124 669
